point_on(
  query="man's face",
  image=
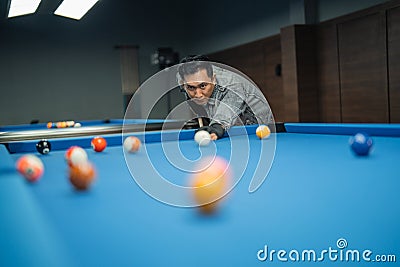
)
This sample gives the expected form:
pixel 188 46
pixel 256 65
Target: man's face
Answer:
pixel 199 86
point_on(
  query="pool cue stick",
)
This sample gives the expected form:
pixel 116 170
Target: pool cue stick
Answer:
pixel 200 122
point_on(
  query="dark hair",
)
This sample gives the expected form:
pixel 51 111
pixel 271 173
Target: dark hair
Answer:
pixel 192 64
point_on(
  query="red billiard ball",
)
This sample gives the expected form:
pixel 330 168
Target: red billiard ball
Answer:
pixel 82 175
pixel 99 144
pixel 31 167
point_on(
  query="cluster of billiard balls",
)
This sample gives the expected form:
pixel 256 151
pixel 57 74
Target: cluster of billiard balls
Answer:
pixel 63 124
pixel 81 171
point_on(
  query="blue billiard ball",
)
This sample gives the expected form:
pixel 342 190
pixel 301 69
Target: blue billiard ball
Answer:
pixel 361 144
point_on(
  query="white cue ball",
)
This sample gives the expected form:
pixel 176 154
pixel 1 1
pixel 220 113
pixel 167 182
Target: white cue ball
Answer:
pixel 203 138
pixel 77 124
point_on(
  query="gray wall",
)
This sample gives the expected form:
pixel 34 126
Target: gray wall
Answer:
pixel 329 9
pixel 53 68
pixel 233 23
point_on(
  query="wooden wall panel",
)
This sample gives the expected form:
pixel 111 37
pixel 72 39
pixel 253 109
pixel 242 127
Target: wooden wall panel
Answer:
pixel 328 73
pixel 247 58
pixel 363 71
pixel 393 24
pixel 354 59
pixel 289 74
pixel 299 68
pixel 273 88
pixel 306 73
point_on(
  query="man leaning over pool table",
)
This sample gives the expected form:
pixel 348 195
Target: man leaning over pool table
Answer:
pixel 226 97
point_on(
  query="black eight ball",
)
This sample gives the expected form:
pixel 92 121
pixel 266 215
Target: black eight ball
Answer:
pixel 43 147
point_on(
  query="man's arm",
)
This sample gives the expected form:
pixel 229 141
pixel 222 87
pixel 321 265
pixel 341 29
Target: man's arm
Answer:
pixel 229 105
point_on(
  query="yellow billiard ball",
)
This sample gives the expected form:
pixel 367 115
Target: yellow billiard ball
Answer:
pixel 263 131
pixel 210 183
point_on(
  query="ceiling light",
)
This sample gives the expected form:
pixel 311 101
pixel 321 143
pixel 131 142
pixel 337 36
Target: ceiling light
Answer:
pixel 75 9
pixel 22 7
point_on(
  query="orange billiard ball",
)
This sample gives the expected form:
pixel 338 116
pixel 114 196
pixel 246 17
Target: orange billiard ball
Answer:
pixel 263 131
pixel 31 167
pixel 82 175
pixel 210 183
pixel 76 155
pixel 132 144
pixel 99 143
